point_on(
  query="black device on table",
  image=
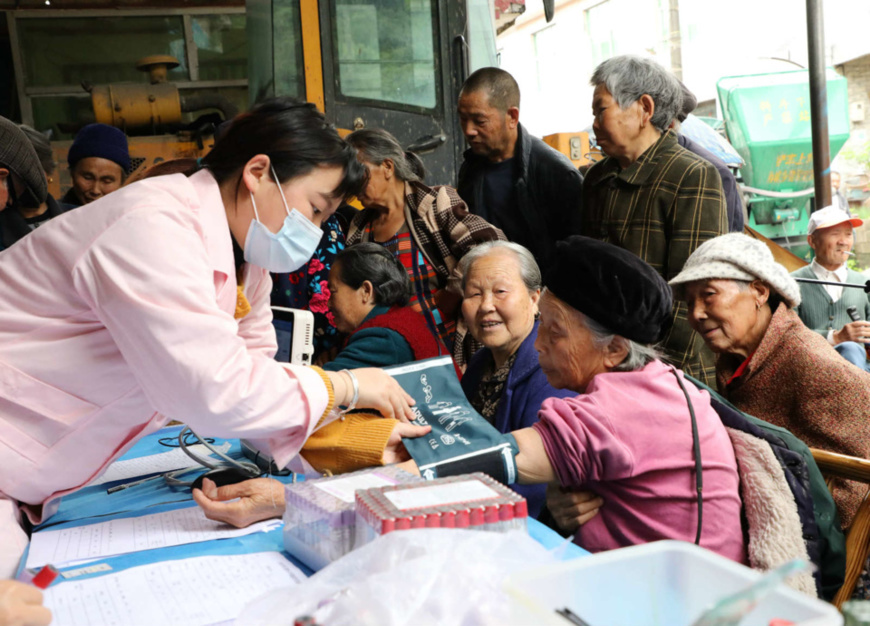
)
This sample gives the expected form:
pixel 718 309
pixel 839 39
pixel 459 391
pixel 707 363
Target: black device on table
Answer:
pixel 222 476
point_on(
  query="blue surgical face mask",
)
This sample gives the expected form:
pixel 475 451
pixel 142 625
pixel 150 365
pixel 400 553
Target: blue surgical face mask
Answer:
pixel 288 249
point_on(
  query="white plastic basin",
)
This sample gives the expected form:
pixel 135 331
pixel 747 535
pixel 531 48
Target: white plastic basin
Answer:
pixel 666 583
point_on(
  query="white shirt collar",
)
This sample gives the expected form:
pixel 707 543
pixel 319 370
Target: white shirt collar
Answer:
pixel 825 274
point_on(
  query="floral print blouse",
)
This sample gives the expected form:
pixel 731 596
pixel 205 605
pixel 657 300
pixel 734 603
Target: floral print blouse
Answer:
pixel 307 287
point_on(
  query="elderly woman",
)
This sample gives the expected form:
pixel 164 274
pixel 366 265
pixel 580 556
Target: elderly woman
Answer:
pixel 429 229
pixel 651 196
pixel 628 432
pixel 368 298
pixel 770 364
pixel 501 284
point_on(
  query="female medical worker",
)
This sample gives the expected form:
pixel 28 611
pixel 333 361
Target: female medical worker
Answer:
pixel 152 304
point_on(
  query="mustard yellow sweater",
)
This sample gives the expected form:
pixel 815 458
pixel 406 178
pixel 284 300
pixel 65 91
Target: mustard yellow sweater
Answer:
pixel 354 443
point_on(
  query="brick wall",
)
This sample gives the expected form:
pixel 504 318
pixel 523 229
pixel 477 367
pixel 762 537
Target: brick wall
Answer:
pixel 862 246
pixel 857 74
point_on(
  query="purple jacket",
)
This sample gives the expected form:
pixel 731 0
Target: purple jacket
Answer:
pixel 524 392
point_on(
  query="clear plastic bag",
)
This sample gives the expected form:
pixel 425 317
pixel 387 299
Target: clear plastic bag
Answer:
pixel 413 577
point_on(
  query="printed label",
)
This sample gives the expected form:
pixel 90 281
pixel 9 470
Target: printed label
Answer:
pixel 93 569
pixel 345 488
pixel 440 495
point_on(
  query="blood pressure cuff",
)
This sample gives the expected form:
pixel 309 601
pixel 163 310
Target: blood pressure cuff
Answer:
pixel 461 441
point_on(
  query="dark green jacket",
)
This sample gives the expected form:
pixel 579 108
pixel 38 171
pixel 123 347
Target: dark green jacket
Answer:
pixel 822 314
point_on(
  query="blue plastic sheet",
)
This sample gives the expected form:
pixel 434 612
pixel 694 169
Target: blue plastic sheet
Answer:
pixel 92 505
pixel 701 133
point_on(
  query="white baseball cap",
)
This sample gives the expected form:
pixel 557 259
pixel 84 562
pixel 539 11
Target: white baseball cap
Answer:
pixel 830 216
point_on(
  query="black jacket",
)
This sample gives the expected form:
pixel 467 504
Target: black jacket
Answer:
pixel 13 226
pixel 546 189
pixel 70 199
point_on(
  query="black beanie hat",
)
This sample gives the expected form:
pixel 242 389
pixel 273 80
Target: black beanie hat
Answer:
pixel 19 157
pixel 612 287
pixel 100 140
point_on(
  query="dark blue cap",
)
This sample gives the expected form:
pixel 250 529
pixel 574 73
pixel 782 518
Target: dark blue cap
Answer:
pixel 100 140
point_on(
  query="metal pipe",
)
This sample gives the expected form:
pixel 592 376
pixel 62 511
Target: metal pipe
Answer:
pixel 777 194
pixel 197 102
pixel 819 102
pixel 865 286
pixel 675 38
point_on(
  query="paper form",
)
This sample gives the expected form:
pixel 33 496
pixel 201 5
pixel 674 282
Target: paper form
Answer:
pixel 132 534
pixel 193 592
pixel 156 463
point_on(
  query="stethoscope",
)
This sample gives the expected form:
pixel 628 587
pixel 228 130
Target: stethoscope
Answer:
pixel 173 478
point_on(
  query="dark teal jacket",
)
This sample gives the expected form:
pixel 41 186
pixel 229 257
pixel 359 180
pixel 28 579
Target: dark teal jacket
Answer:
pixel 820 313
pixel 372 347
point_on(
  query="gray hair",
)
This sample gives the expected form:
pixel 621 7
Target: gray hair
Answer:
pixel 376 145
pixel 529 270
pixel 629 77
pixel 639 354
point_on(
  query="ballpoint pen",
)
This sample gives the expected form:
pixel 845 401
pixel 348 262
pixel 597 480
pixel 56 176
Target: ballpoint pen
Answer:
pixel 123 486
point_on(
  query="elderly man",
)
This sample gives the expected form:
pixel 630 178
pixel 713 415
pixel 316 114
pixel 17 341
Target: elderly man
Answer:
pixel 22 182
pixel 825 308
pixel 651 196
pixel 98 163
pixel 837 197
pixel 511 179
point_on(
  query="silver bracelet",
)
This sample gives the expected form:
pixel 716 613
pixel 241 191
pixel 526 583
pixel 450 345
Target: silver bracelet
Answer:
pixel 355 399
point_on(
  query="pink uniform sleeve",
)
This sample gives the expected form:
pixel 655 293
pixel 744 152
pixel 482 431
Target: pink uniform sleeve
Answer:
pixel 256 327
pixel 581 442
pixel 149 279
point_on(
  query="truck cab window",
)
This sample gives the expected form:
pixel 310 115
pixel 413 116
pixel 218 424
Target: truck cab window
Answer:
pixel 386 51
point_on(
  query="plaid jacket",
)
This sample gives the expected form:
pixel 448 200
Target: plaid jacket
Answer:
pixel 441 225
pixel 661 207
pixel 444 230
